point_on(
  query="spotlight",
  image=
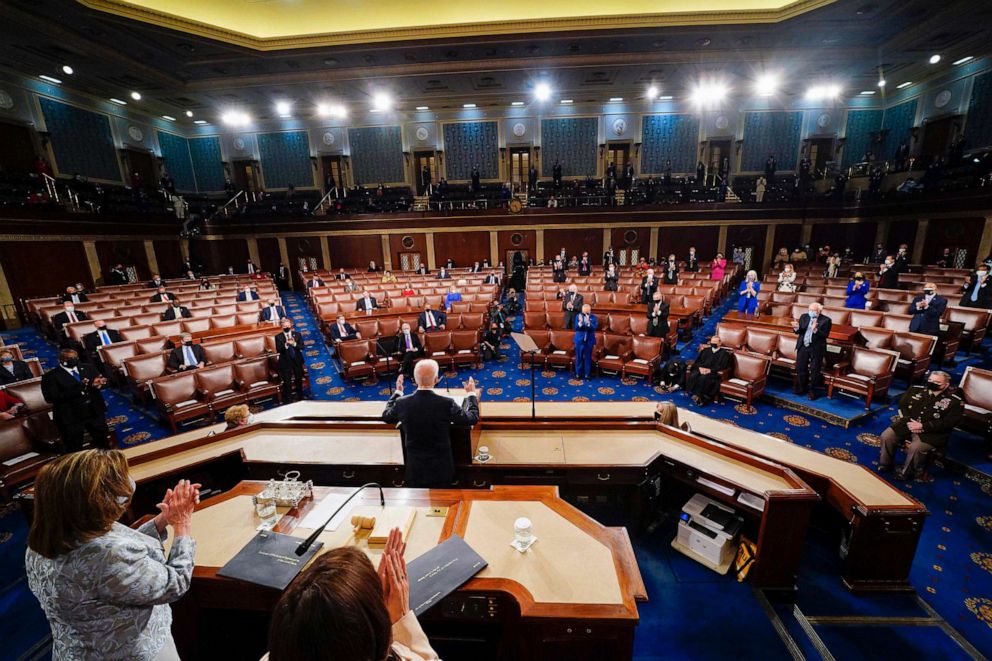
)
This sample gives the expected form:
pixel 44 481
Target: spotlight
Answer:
pixel 136 96
pixel 968 58
pixel 381 101
pixel 283 108
pixel 189 113
pixel 867 92
pixel 50 79
pixel 665 97
pixel 235 118
pixel 67 70
pixel 199 121
pixel 766 85
pixel 328 110
pixel 708 94
pixel 881 82
pixel 652 93
pixel 542 92
pixel 934 59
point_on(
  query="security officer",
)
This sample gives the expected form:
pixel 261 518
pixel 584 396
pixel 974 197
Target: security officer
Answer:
pixel 927 414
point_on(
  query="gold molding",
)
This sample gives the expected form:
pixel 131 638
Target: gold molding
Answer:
pixel 455 30
pixel 152 258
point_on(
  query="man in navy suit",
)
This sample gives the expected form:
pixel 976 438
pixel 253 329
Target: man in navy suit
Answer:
pixel 409 347
pixel 443 274
pixel 248 294
pixel 927 308
pixel 342 331
pixel 69 315
pixel 367 302
pixel 73 390
pixel 425 419
pixel 162 296
pixel 813 328
pixel 314 281
pixel 272 312
pixel 289 346
pixel 100 337
pixel 585 324
pixel 176 311
pixel 431 320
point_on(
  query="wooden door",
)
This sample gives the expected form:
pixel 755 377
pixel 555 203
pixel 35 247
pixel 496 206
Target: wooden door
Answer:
pixel 424 159
pixel 143 163
pixel 821 151
pixel 937 138
pixel 618 153
pixel 716 151
pixel 332 165
pixel 519 167
pixel 245 175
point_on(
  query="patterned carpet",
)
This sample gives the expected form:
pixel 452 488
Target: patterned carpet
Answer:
pixel 952 571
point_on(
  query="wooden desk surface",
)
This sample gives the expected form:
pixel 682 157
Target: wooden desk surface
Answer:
pixel 838 332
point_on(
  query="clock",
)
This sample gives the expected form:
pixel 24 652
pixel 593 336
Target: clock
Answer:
pixel 516 206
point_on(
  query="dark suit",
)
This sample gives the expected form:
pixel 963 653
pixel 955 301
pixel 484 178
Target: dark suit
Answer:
pixel 809 359
pixel 671 276
pixel 315 282
pixel 491 279
pixel 408 356
pixel 585 268
pixel 116 277
pixel 658 318
pixel 80 298
pixel 361 305
pixel 422 270
pixel 166 297
pixel 19 371
pixel 92 340
pixel 440 319
pixel 290 365
pixel 248 296
pixel 151 284
pixel 62 318
pixel 706 386
pixel 349 332
pixel 266 313
pixel 648 289
pixel 692 263
pixel 576 302
pixel 170 313
pixel 77 406
pixel 282 277
pixel 889 279
pixel 927 320
pixel 343 276
pixel 177 361
pixel 443 276
pixel 425 419
pixel 983 298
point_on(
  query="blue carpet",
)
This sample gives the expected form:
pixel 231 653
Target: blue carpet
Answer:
pixel 952 570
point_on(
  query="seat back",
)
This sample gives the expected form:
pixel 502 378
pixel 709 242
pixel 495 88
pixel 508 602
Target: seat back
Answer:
pixel 251 372
pixel 388 326
pixel 245 319
pixel 153 344
pixel 136 332
pixel 225 309
pixel 976 387
pixel 216 380
pixel 113 354
pixel 438 341
pixel 761 341
pixel 639 324
pixel 873 362
pixel 786 346
pixel 367 328
pixel 866 318
pixel 913 346
pixel 353 351
pixel 972 318
pixel 146 366
pixel 176 389
pixel 464 339
pixel 841 316
pixel 535 320
pixel 615 345
pixel 472 320
pixel 14 440
pixel 896 322
pixel 29 392
pixel 619 323
pixel 220 352
pixel 732 337
pixel 646 348
pixel 876 338
pixel 562 340
pixel 169 328
pixel 542 338
pixel 225 320
pixel 556 320
pixel 250 347
pixel 460 306
pixel 749 367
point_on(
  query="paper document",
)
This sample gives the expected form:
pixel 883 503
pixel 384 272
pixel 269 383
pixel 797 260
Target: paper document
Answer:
pixel 319 514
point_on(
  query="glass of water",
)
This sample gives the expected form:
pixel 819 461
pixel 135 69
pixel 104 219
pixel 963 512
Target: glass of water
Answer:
pixel 265 508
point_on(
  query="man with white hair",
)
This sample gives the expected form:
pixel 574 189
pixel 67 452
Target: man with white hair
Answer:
pixel 813 328
pixel 571 303
pixel 927 309
pixel 425 418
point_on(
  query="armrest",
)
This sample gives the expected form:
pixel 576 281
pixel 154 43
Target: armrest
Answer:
pixel 842 365
pixel 626 356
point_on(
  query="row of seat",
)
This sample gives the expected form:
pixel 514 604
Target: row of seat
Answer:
pixel 410 302
pixel 30 440
pixel 368 358
pixel 617 323
pixel 622 355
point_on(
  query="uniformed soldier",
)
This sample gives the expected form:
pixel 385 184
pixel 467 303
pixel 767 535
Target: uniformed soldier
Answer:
pixel 927 414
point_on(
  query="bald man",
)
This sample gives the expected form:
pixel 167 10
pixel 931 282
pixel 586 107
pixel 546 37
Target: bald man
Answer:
pixel 813 328
pixel 425 419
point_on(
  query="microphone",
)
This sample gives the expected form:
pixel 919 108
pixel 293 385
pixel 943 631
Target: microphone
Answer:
pixel 445 380
pixel 308 542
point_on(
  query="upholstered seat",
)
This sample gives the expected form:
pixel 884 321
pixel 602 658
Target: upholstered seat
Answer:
pixel 610 357
pixel 861 318
pixel 876 338
pixel 556 320
pixel 367 328
pixel 21 457
pixel 135 333
pixel 356 359
pixel 644 357
pixel 178 399
pixel 975 322
pixel 437 346
pixel 761 342
pixel 785 355
pixel 252 379
pixel 731 337
pixel 218 387
pixel 465 348
pixel 976 389
pixel 619 324
pixel 217 321
pixel 472 321
pixel 218 352
pixel 748 377
pixel 869 372
pixel 112 356
pixel 561 353
pixel 535 320
pixel 915 351
pixel 638 324
pixel 29 392
pixel 250 347
pixel 140 370
pixel 542 339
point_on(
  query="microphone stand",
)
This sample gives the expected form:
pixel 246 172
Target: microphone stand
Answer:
pixel 381 348
pixel 308 542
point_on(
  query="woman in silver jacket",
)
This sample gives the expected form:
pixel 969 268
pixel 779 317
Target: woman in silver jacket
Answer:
pixel 104 587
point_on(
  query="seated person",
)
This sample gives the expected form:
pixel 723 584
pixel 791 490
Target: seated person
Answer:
pixel 342 275
pixel 430 320
pixel 189 276
pixel 490 341
pixel 162 296
pixel 342 331
pixel 205 285
pixel 408 345
pixel 73 295
pixel 11 370
pixel 100 337
pixel 176 311
pixel 703 380
pixel 237 416
pixel 388 277
pixel 249 293
pixel 69 315
pixel 452 296
pixel 272 312
pixel 408 291
pixel 187 356
pixel 340 607
pixel 155 282
pixel 10 406
pixel 367 302
pixel 314 281
pixel 443 274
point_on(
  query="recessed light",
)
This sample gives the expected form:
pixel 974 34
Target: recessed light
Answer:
pixel 199 121
pixel 867 92
pixel 235 118
pixel 189 113
pixel 283 108
pixel 616 99
pixel 934 59
pixel 67 70
pixel 118 101
pixel 881 82
pixel 468 105
pixel 652 93
pixel 381 101
pixel 136 96
pixel 566 102
pixel 665 98
pixel 50 79
pixel 516 103
pixel 423 108
pixel 901 86
pixel 766 85
pixel 542 92
pixel 968 58
pixel 171 119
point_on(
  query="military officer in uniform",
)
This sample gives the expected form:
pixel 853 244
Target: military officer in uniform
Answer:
pixel 927 414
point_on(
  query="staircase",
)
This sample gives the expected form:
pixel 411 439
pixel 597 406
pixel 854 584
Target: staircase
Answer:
pixel 420 202
pixel 731 197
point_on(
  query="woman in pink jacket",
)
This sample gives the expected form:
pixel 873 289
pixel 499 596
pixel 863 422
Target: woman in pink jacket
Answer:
pixel 718 266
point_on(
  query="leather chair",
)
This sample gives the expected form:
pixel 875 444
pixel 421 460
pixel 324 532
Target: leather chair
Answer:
pixel 697 304
pixel 246 319
pixel 556 320
pixel 732 337
pixel 203 324
pixel 146 318
pixel 542 339
pixel 225 309
pixel 465 348
pixel 169 328
pixel 153 344
pixel 29 392
pixel 785 355
pixel 218 387
pixel 611 356
pixel 876 338
pixel 15 467
pixel 177 399
pixel 472 321
pixel 367 328
pixel 458 307
pixel 389 326
pixel 112 357
pixel 252 379
pixel 347 307
pixel 227 320
pixel 896 322
pixel 535 320
pixel 250 347
pixel 975 322
pixel 561 353
pixel 644 357
pixel 356 358
pixel 135 333
pixel 748 377
pixel 639 324
pixel 761 342
pixel 976 389
pixel 141 370
pixel 619 323
pixel 218 352
pixel 861 318
pixel 869 372
pixel 437 346
pixel 915 351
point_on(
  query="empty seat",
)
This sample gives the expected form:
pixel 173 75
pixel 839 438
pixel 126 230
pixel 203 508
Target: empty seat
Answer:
pixel 250 347
pixel 732 337
pixel 219 352
pixel 437 347
pixel 761 342
pixel 748 377
pixel 619 324
pixel 542 338
pixel 465 348
pixel 178 399
pixel 356 359
pixel 915 351
pixel 561 349
pixel 252 379
pixel 644 357
pixel 611 355
pixel 976 390
pixel 869 372
pixel 535 320
pixel 219 388
pixel 876 338
pixel 21 457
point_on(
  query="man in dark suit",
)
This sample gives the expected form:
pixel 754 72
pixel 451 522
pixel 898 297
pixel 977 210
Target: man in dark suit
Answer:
pixel 73 390
pixel 282 277
pixel 703 380
pixel 341 275
pixel 585 266
pixel 176 311
pixel 11 370
pixel 314 281
pixel 187 356
pixel 289 345
pixel 671 267
pixel 366 302
pixel 491 279
pixel 250 268
pixel 69 315
pixel 342 331
pixel 658 310
pixel 558 268
pixel 187 265
pixel 100 337
pixel 571 304
pixel 117 275
pixel 813 328
pixel 927 308
pixel 609 257
pixel 162 296
pixel 902 258
pixel 72 295
pixel 422 269
pixel 888 274
pixel 977 293
pixel 431 320
pixel 449 263
pixel 425 419
pixel 155 282
pixel 649 285
pixel 408 345
pixel 476 267
pixel 272 312
pixel 443 274
pixel 248 294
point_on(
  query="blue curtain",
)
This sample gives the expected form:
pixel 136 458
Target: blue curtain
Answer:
pixel 207 163
pixel 468 145
pixel 978 125
pixel 771 133
pixel 175 152
pixel 285 159
pixel 669 137
pixel 81 141
pixel 377 154
pixel 572 142
pixel 898 120
pixel 860 125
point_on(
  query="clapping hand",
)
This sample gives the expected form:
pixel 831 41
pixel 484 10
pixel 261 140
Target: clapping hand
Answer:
pixel 915 426
pixel 399 384
pixel 795 324
pixel 392 574
pixel 470 388
pixel 176 508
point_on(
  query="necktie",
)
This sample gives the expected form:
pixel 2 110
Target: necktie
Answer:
pixel 75 299
pixel 341 330
pixel 430 320
pixel 188 356
pixel 75 375
pixel 72 317
pixel 409 344
pixel 104 338
pixel 808 338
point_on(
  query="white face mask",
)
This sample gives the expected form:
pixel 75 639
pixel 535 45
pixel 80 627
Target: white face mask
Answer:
pixel 122 500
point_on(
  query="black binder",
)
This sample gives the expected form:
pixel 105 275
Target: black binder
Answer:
pixel 441 571
pixel 269 559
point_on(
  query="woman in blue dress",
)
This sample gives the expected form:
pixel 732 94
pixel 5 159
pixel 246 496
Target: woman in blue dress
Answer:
pixel 857 291
pixel 749 289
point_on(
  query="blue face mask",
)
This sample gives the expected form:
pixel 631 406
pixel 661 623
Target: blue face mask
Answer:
pixel 812 315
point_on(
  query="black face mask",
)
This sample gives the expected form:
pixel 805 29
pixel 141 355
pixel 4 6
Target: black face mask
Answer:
pixel 714 346
pixel 286 329
pixel 932 386
pixel 928 292
pixel 859 279
pixel 188 343
pixel 70 363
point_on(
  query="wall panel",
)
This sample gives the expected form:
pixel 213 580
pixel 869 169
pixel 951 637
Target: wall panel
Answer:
pixel 377 154
pixel 897 122
pixel 268 255
pixel 978 126
pixel 618 238
pixel 748 236
pixel 175 152
pixel 669 137
pixel 308 247
pixel 355 251
pixel 170 256
pixel 285 159
pixel 510 241
pixel 463 247
pixel 575 242
pixel 572 142
pixel 679 239
pixel 787 236
pixel 82 141
pixel 861 124
pixel 901 231
pixel 775 133
pixel 207 163
pixel 953 233
pixel 23 264
pixel 396 247
pixel 468 145
pixel 128 253
pixel 856 236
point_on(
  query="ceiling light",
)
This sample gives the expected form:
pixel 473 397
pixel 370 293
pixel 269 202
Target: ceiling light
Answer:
pixel 566 102
pixel 468 105
pixel 934 59
pixel 189 113
pixel 708 94
pixel 823 92
pixel 665 98
pixel 423 108
pixel 542 92
pixel 766 85
pixel 968 58
pixel 67 70
pixel 118 101
pixel 517 103
pixel 902 86
pixel 616 99
pixel 381 101
pixel 50 79
pixel 652 93
pixel 235 118
pixel 867 92
pixel 136 96
pixel 171 119
pixel 199 121
pixel 283 108
pixel 881 82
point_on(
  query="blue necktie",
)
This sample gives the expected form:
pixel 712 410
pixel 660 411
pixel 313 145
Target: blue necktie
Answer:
pixel 808 338
pixel 75 375
pixel 188 355
pixel 974 292
pixel 104 338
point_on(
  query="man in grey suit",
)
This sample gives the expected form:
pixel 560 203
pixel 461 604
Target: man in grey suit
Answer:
pixel 425 419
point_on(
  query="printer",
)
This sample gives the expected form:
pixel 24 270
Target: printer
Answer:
pixel 707 532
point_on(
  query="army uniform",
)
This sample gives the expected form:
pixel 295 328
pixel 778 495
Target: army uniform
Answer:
pixel 938 412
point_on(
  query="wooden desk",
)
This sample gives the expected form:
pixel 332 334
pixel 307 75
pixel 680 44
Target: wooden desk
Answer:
pixel 576 589
pixel 839 334
pixel 229 333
